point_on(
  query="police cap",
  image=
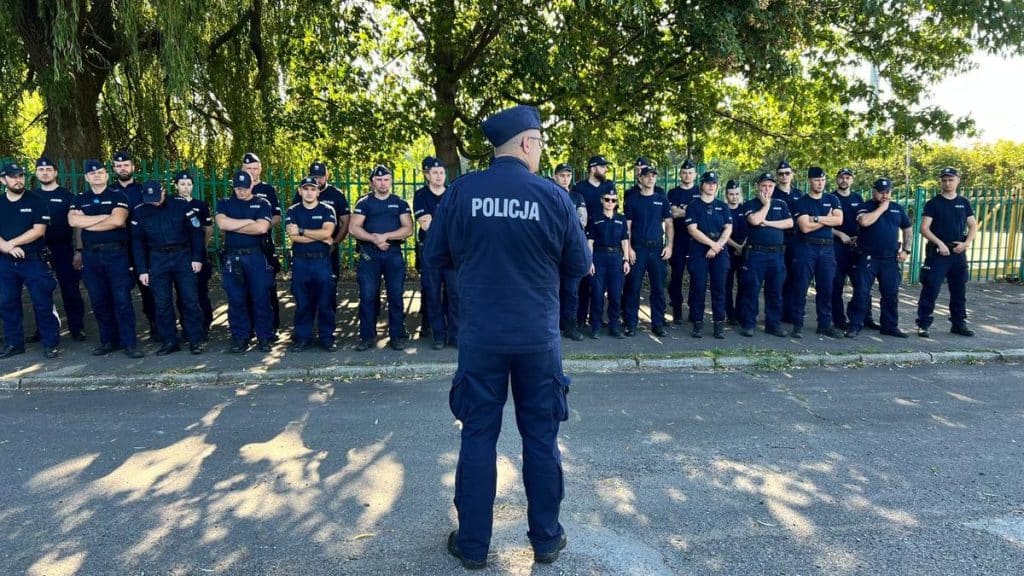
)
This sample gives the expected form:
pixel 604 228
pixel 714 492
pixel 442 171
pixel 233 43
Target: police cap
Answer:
pixel 502 126
pixel 92 166
pixel 563 167
pixel 815 172
pixel 380 170
pixel 949 171
pixel 122 156
pixel 766 177
pixel 648 170
pixel 597 161
pixel 183 175
pixel 432 162
pixel 845 171
pixel 250 158
pixel 731 185
pixel 43 162
pixel 13 169
pixel 151 191
pixel 641 162
pixel 883 185
pixel 241 179
pixel 308 181
pixel 784 166
pixel 710 177
pixel 318 169
pixel 687 165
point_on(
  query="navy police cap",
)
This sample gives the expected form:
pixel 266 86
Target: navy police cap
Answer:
pixel 845 171
pixel 317 169
pixel 92 166
pixel 597 161
pixel 784 166
pixel 709 177
pixel 563 167
pixel 151 191
pixel 815 172
pixel 766 177
pixel 122 156
pixel 43 162
pixel 949 171
pixel 183 175
pixel 648 170
pixel 250 158
pixel 641 162
pixel 13 170
pixel 502 126
pixel 241 179
pixel 731 184
pixel 380 170
pixel 308 181
pixel 431 162
pixel 883 184
pixel 688 165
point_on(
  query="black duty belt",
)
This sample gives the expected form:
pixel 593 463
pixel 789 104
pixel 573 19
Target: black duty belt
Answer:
pixel 105 247
pixel 608 249
pixel 243 251
pixel 647 243
pixel 767 248
pixel 170 248
pixel 713 236
pixel 310 255
pixel 817 241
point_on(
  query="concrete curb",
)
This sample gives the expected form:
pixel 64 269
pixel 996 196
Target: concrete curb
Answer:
pixel 416 371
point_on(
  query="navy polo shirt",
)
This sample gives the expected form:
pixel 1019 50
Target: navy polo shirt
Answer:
pixel 710 217
pixel 607 231
pixel 512 236
pixel 172 222
pixel 252 209
pixel 681 197
pixel 424 203
pixel 851 205
pixel 765 235
pixel 332 197
pixel 739 225
pixel 92 204
pixel 633 190
pixel 790 198
pixel 882 238
pixel 132 192
pixel 20 216
pixel 202 212
pixel 811 207
pixel 382 216
pixel 949 217
pixel 268 193
pixel 592 195
pixel 311 219
pixel 646 215
pixel 58 202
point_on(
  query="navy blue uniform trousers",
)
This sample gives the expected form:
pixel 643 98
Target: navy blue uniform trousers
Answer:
pixel 371 267
pixel 33 273
pixel 703 269
pixel 789 287
pixel 762 269
pixel 247 279
pixel 936 269
pixel 442 302
pixel 846 267
pixel 313 289
pixel 203 293
pixel 680 250
pixel 887 272
pixel 734 286
pixel 608 279
pixel 649 262
pixel 817 262
pixel 569 303
pixel 62 261
pixel 477 398
pixel 174 269
pixel 108 279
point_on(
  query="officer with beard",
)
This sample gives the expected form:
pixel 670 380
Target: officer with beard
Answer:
pixel 124 169
pixel 592 189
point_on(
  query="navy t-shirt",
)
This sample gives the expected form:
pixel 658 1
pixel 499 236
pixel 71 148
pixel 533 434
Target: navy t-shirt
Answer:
pixel 710 218
pixel 949 217
pixel 332 197
pixel 681 197
pixel 633 190
pixel 424 203
pixel 739 225
pixel 882 238
pixel 104 203
pixel 765 235
pixel 173 222
pixel 58 202
pixel 268 193
pixel 20 216
pixel 850 204
pixel 311 219
pixel 252 209
pixel 646 215
pixel 607 231
pixel 811 207
pixel 382 216
pixel 592 195
pixel 132 192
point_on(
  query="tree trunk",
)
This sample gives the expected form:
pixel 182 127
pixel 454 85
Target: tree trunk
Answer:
pixel 73 120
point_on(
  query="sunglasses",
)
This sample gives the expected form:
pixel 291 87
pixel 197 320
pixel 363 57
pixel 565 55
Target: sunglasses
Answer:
pixel 611 200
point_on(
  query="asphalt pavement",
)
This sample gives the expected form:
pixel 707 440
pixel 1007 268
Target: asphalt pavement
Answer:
pixel 876 471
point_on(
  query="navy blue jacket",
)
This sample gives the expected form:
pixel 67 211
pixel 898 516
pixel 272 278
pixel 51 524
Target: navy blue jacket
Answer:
pixel 172 222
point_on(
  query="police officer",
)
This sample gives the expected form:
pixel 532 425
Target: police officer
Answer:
pixel 563 177
pixel 23 222
pixel 709 224
pixel 640 163
pixel 167 244
pixel 380 223
pixel 440 302
pixel 845 246
pixel 246 273
pixel 650 222
pixel 65 261
pixel 251 163
pixel 101 212
pixel 568 294
pixel 881 252
pixel 813 254
pixel 335 199
pixel 679 198
pixel 183 186
pixel 789 194
pixel 484 223
pixel 763 259
pixel 608 237
pixel 737 241
pixel 310 225
pixel 595 187
pixel 124 170
pixel 949 225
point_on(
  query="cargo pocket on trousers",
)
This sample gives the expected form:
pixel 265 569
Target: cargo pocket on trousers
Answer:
pixel 456 396
pixel 561 400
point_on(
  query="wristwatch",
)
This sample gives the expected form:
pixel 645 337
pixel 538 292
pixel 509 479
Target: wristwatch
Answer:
pixel 905 251
pixel 302 231
pixel 814 218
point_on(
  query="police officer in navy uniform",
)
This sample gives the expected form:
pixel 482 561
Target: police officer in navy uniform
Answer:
pixel 679 198
pixel 569 293
pixel 592 189
pixel 763 259
pixel 608 237
pixel 23 222
pixel 381 221
pixel 65 261
pixel 310 225
pixel 882 249
pixel 785 191
pixel 709 224
pixel 336 200
pixel 737 241
pixel 124 170
pixel 650 237
pixel 101 212
pixel 816 213
pixel 245 272
pixel 183 186
pixel 949 225
pixel 439 300
pixel 251 163
pixel 167 244
pixel 489 219
pixel 638 166
pixel 845 247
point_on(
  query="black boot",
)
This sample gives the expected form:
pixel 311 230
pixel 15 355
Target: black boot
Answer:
pixel 719 330
pixel 698 330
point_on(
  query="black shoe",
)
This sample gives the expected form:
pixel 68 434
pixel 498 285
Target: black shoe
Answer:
pixel 9 351
pixel 33 338
pixel 51 352
pixel 438 345
pixel 841 325
pixel 630 332
pixel 363 346
pixel 851 333
pixel 747 332
pixel 78 336
pixel 895 332
pixel 549 557
pixel 798 332
pixel 698 330
pixel 574 335
pixel 329 345
pixel 617 334
pixel 299 346
pixel 103 349
pixel 719 328
pixel 677 320
pixel 923 332
pixel 264 345
pixel 397 344
pixel 871 324
pixel 133 352
pixel 732 322
pixel 195 347
pixel 238 346
pixel 831 332
pixel 659 331
pixel 468 564
pixel 777 331
pixel 962 330
pixel 595 335
pixel 167 348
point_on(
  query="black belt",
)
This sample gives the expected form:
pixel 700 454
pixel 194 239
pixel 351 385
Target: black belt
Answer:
pixel 713 236
pixel 27 256
pixel 617 249
pixel 105 247
pixel 766 248
pixel 243 251
pixel 170 248
pixel 647 243
pixel 310 255
pixel 817 241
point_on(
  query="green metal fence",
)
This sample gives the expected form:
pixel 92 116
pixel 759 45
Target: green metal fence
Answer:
pixel 997 252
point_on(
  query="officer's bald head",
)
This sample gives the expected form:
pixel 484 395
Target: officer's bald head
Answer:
pixel 525 146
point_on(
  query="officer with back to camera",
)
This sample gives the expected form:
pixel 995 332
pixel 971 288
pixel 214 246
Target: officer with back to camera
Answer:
pixel 511 235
